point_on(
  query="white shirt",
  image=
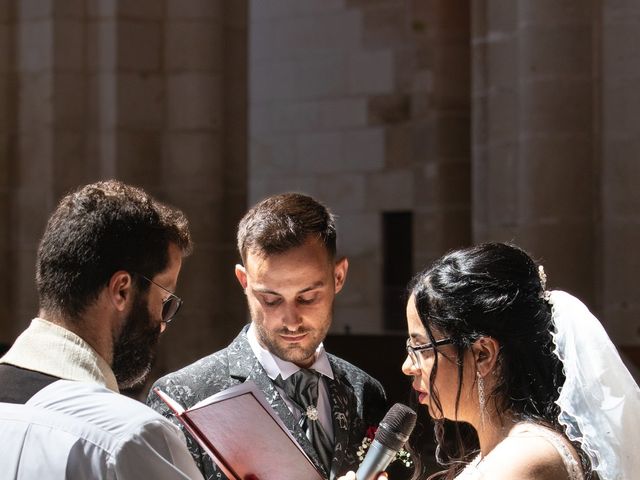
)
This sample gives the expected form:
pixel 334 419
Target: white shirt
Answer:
pixel 275 366
pixel 78 428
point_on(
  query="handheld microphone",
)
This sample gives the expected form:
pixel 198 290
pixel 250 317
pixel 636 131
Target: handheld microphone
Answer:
pixel 393 432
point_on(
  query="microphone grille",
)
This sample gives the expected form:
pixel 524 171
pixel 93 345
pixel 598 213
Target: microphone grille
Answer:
pixel 396 426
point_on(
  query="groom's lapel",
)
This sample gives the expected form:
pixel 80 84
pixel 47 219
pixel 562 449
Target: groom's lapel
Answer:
pixel 343 411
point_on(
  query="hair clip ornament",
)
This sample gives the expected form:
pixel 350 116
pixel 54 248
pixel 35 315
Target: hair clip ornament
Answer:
pixel 544 293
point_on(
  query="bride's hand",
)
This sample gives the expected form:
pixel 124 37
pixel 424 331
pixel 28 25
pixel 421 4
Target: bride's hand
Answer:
pixel 352 476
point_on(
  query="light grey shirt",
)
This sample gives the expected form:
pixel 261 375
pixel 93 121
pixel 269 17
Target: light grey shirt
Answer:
pixel 78 428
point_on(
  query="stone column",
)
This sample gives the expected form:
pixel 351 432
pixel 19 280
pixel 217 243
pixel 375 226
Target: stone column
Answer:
pixel 8 132
pixel 535 165
pixel 621 173
pixel 172 118
pixel 203 164
pixel 441 133
pixel 51 126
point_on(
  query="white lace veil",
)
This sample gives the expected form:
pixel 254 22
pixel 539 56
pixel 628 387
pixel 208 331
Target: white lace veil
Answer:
pixel 600 400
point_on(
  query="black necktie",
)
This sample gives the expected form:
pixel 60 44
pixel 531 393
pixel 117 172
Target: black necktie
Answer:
pixel 302 390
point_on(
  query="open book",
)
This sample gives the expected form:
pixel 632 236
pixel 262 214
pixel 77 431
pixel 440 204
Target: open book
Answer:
pixel 244 436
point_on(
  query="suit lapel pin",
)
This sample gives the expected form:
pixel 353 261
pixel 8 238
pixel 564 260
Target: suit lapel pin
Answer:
pixel 312 413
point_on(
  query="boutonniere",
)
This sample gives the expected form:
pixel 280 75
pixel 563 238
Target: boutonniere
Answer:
pixel 403 456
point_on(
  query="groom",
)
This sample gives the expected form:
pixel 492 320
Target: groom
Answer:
pixel 290 275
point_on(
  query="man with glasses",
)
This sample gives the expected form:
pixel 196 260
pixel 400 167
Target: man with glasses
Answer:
pixel 290 274
pixel 106 269
pixel 170 305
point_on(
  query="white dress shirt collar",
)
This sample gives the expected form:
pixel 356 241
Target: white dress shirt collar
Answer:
pixel 275 366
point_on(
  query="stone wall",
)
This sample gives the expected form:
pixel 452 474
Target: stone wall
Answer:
pixel 369 106
pixel 488 120
pixel 152 93
pixel 365 106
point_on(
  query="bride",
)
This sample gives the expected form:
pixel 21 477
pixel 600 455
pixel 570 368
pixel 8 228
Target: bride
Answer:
pixel 532 371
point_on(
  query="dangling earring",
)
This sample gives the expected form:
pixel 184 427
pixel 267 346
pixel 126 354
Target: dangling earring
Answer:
pixel 481 397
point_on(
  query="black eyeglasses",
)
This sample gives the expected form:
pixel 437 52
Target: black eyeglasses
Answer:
pixel 170 305
pixel 414 351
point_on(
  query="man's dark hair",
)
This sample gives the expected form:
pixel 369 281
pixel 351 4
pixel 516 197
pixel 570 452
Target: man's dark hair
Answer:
pixel 284 221
pixel 98 230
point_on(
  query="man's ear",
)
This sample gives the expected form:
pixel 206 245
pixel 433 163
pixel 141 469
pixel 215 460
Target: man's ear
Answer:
pixel 485 353
pixel 241 275
pixel 120 289
pixel 340 273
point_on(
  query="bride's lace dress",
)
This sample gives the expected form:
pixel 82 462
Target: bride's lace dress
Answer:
pixel 574 470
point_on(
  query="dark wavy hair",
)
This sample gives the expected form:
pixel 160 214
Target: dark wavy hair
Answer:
pixel 97 230
pixel 285 221
pixel 494 290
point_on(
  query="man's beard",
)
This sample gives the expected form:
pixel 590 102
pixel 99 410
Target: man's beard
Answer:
pixel 134 350
pixel 293 353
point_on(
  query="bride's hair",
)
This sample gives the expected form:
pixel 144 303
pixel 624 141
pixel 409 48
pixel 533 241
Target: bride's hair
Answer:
pixel 493 290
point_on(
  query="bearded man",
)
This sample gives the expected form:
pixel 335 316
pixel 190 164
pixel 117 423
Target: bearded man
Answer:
pixel 106 270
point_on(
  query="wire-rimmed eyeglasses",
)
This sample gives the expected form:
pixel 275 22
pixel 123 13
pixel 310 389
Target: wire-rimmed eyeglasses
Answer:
pixel 414 351
pixel 170 305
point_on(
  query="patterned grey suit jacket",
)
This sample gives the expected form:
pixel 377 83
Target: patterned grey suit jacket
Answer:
pixel 357 401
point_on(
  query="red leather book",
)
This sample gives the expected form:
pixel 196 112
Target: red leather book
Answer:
pixel 244 436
